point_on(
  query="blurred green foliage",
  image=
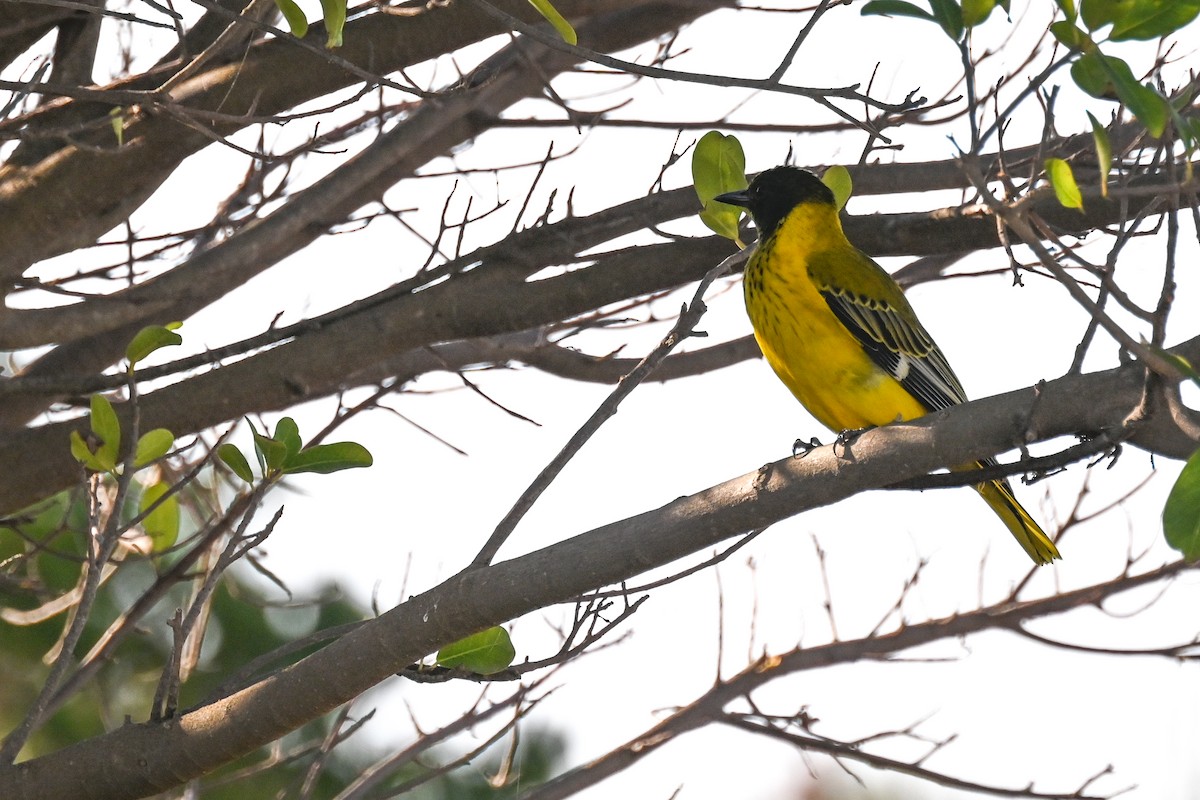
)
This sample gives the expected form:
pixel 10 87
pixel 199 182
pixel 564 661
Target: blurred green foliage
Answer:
pixel 42 550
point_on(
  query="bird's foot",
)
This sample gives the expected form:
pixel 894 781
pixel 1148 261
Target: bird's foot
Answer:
pixel 801 448
pixel 848 437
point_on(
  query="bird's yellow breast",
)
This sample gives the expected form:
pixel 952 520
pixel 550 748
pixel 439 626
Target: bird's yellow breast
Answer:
pixel 810 350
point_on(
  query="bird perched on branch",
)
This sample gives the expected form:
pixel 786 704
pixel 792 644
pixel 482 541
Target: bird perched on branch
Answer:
pixel 839 332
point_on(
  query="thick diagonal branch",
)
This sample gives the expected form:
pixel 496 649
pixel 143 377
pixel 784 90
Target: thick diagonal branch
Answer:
pixel 137 760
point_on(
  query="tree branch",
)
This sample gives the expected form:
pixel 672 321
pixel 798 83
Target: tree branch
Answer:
pixel 70 198
pixel 144 758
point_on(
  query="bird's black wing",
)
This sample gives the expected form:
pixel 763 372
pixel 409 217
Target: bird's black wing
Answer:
pixel 889 331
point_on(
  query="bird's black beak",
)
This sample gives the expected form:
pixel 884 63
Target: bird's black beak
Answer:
pixel 741 198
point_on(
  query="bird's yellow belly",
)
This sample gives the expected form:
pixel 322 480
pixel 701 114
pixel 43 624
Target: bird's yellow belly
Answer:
pixel 823 365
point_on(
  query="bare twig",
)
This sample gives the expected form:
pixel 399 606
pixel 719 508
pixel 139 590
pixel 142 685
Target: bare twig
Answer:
pixel 689 317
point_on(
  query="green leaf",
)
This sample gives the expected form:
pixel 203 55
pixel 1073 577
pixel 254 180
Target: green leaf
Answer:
pixel 258 454
pixel 288 432
pixel 84 455
pixel 152 446
pixel 151 338
pixel 42 520
pixel 1147 105
pixel 1187 369
pixel 1104 157
pixel 946 13
pixel 975 12
pixel 1063 181
pixel 327 458
pixel 335 21
pixel 1182 364
pixel 1111 78
pixel 1098 13
pixel 895 8
pixel 719 166
pixel 1189 131
pixel 272 452
pixel 838 179
pixel 236 461
pixel 1151 19
pixel 161 524
pixel 107 428
pixel 949 15
pixel 564 29
pixel 1183 100
pixel 1072 36
pixel 1068 8
pixel 1186 128
pixel 116 118
pixel 484 652
pixel 1181 514
pixel 106 436
pixel 79 448
pixel 1089 74
pixel 297 22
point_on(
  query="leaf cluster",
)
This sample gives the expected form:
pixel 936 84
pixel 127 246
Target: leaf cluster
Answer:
pixel 284 453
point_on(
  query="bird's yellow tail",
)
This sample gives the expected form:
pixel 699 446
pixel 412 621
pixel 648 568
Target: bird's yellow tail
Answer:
pixel 998 495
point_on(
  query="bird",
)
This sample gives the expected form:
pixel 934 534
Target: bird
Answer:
pixel 839 332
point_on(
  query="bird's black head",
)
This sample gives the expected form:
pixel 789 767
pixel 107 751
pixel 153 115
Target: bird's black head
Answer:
pixel 775 192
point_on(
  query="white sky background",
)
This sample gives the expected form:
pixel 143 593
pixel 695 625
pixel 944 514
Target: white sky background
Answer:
pixel 1022 712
